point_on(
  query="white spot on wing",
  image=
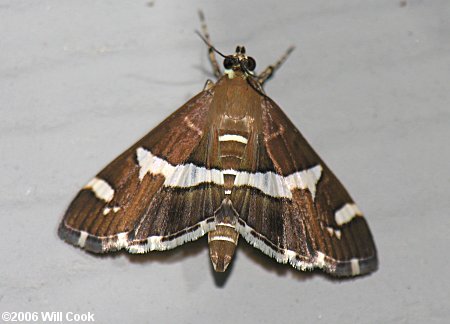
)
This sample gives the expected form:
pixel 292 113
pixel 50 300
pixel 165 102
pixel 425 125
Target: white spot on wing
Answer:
pixel 320 259
pixel 101 189
pixel 82 239
pixel 355 267
pixel 107 210
pixel 336 232
pixel 346 214
pixel 233 138
pixel 122 240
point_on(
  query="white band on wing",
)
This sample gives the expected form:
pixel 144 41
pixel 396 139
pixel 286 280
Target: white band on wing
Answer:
pixel 190 175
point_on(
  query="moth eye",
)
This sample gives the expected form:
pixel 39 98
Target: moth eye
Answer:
pixel 250 63
pixel 228 63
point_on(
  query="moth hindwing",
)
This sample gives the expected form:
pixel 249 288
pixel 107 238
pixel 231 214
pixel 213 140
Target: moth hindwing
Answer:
pixel 228 163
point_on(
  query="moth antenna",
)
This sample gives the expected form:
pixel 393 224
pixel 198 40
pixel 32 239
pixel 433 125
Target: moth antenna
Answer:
pixel 211 50
pixel 209 44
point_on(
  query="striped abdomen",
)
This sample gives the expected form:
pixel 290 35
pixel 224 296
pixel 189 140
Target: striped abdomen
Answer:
pixel 223 240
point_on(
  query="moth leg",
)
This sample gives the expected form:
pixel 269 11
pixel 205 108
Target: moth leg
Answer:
pixel 211 54
pixel 270 70
pixel 208 85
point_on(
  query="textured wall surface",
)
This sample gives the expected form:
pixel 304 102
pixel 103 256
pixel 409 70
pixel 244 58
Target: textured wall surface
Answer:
pixel 368 85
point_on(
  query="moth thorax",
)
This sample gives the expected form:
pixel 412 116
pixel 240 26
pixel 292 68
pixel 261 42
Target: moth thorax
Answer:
pixel 222 244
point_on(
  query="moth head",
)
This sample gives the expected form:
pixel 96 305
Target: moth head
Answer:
pixel 239 61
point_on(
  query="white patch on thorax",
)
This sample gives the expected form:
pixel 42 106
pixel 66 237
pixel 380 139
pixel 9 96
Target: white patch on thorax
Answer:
pixel 230 73
pixel 101 189
pixel 347 213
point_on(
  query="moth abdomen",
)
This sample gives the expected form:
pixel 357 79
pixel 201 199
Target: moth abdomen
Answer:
pixel 223 240
pixel 222 244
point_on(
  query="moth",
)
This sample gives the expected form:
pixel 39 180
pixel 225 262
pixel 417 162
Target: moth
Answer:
pixel 228 163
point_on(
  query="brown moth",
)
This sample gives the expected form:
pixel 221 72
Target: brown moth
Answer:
pixel 228 163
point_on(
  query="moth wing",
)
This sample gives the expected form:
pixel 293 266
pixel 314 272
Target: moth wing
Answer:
pixel 318 225
pixel 127 205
